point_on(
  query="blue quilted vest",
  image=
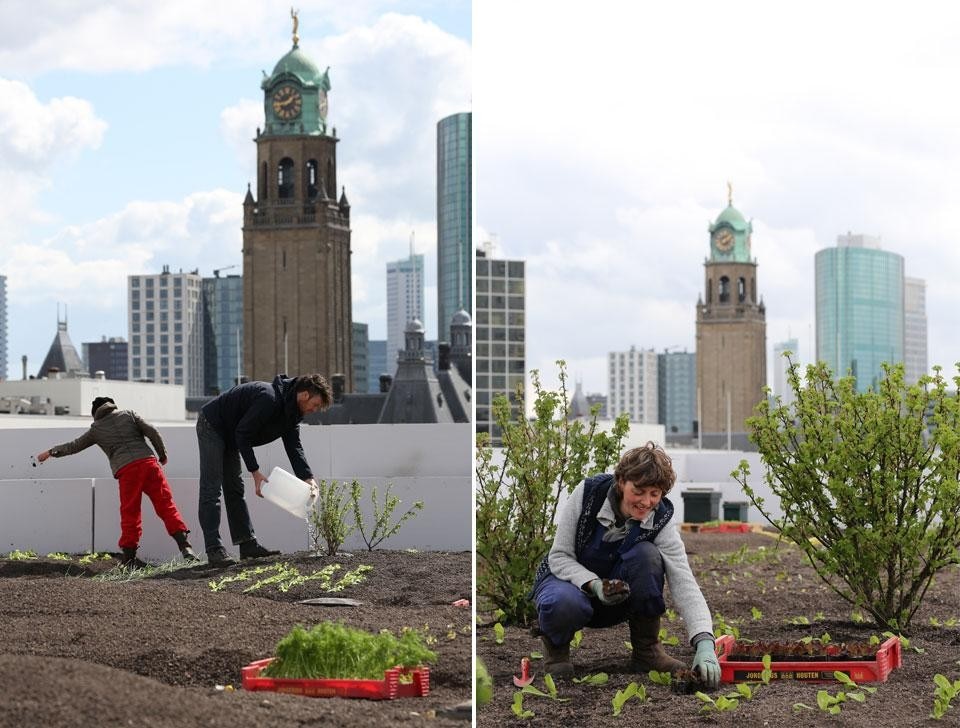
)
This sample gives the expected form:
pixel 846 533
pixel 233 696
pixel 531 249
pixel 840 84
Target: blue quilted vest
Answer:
pixel 595 492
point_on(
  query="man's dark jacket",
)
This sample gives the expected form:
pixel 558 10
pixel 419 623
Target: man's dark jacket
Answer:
pixel 256 413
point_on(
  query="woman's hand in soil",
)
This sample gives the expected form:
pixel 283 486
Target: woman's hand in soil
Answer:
pixel 610 591
pixel 705 663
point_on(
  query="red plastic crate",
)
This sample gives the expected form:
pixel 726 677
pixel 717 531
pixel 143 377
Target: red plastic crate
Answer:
pixel 387 689
pixel 889 656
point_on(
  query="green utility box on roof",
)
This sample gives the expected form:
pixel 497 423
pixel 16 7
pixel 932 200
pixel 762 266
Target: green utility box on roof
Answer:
pixel 735 511
pixel 700 506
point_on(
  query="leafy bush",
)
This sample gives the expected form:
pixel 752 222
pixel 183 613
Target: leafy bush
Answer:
pixel 381 528
pixel 328 523
pixel 517 502
pixel 333 650
pixel 867 483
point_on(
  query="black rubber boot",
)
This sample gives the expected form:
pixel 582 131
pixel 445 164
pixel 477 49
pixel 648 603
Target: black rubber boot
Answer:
pixel 648 653
pixel 218 556
pixel 129 559
pixel 253 550
pixel 186 550
pixel 556 660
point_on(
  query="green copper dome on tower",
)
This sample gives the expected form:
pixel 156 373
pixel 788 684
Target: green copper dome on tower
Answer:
pixel 295 94
pixel 730 234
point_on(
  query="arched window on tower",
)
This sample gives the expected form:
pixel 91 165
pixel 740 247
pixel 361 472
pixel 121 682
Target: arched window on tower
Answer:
pixel 330 180
pixel 741 289
pixel 312 179
pixel 710 291
pixel 724 289
pixel 753 290
pixel 262 182
pixel 285 184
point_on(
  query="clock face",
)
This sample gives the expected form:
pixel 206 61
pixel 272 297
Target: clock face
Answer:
pixel 723 239
pixel 287 102
pixel 323 105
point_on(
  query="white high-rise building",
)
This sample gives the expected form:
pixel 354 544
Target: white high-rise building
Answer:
pixel 165 320
pixel 781 385
pixel 404 302
pixel 632 376
pixel 3 327
pixel 914 329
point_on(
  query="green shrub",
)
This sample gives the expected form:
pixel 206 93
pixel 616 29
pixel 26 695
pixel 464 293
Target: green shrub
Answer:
pixel 517 502
pixel 328 522
pixel 867 482
pixel 381 528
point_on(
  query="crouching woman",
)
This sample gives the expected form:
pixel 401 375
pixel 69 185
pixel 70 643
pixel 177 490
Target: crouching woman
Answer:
pixel 614 549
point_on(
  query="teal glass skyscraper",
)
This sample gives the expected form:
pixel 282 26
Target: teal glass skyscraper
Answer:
pixel 454 219
pixel 859 297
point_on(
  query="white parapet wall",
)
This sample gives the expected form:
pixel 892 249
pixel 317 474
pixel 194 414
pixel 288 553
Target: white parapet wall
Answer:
pixel 154 402
pixel 71 504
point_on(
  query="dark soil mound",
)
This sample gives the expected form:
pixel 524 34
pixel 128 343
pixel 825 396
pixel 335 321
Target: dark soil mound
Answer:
pixel 77 651
pixel 784 588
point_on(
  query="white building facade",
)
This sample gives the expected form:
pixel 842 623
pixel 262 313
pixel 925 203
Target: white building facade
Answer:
pixel 781 385
pixel 915 359
pixel 404 302
pixel 632 377
pixel 165 321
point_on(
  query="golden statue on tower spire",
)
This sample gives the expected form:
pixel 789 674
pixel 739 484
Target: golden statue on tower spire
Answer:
pixel 296 24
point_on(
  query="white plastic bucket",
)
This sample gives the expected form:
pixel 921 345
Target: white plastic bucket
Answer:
pixel 288 492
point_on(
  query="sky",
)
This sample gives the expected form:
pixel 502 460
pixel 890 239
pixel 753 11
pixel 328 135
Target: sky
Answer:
pixel 126 133
pixel 604 141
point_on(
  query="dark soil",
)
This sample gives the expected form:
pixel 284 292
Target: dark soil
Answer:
pixel 80 652
pixel 783 587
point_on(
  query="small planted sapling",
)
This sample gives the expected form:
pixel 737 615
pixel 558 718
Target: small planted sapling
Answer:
pixel 381 528
pixel 944 692
pixel 551 687
pixel 518 709
pixel 328 517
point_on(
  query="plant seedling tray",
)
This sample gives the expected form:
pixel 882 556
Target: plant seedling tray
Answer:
pixel 416 685
pixel 727 528
pixel 889 656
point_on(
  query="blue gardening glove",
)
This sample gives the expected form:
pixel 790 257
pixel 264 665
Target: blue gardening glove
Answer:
pixel 609 591
pixel 705 663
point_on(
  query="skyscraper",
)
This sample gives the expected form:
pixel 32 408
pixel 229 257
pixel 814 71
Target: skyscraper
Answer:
pixel 3 327
pixel 731 334
pixel 632 378
pixel 677 394
pixel 361 358
pixel 109 356
pixel 378 364
pixel 454 218
pixel 859 299
pixel 165 321
pixel 914 329
pixel 296 234
pixel 781 385
pixel 404 301
pixel 223 332
pixel 499 343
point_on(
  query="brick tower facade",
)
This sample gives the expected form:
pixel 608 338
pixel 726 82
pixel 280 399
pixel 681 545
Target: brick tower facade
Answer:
pixel 296 234
pixel 731 336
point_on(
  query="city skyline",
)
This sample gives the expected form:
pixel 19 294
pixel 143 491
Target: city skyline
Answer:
pixel 603 170
pixel 129 150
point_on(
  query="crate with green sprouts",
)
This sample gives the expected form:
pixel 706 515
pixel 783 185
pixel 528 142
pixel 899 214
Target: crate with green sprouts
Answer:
pixel 334 660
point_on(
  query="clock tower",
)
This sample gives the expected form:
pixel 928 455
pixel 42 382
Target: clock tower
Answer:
pixel 731 335
pixel 296 233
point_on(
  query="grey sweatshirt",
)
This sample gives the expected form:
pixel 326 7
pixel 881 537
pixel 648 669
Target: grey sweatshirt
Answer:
pixel 120 434
pixel 683 586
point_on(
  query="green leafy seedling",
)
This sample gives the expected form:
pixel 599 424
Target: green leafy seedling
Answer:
pixel 577 639
pixel 518 709
pixel 551 693
pixel 944 692
pixel 721 704
pixel 601 678
pixel 660 678
pixel 633 690
pixel 498 633
pixel 666 638
pixel 756 614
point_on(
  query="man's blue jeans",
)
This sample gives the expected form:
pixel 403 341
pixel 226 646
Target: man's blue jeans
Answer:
pixel 220 471
pixel 563 608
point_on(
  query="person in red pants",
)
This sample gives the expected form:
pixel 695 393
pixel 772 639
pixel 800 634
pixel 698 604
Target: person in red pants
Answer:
pixel 122 435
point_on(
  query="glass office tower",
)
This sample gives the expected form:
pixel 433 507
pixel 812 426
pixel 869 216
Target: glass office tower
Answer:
pixel 859 298
pixel 454 220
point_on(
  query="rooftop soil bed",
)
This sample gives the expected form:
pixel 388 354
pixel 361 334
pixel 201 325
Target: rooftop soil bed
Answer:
pixel 737 576
pixel 166 650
